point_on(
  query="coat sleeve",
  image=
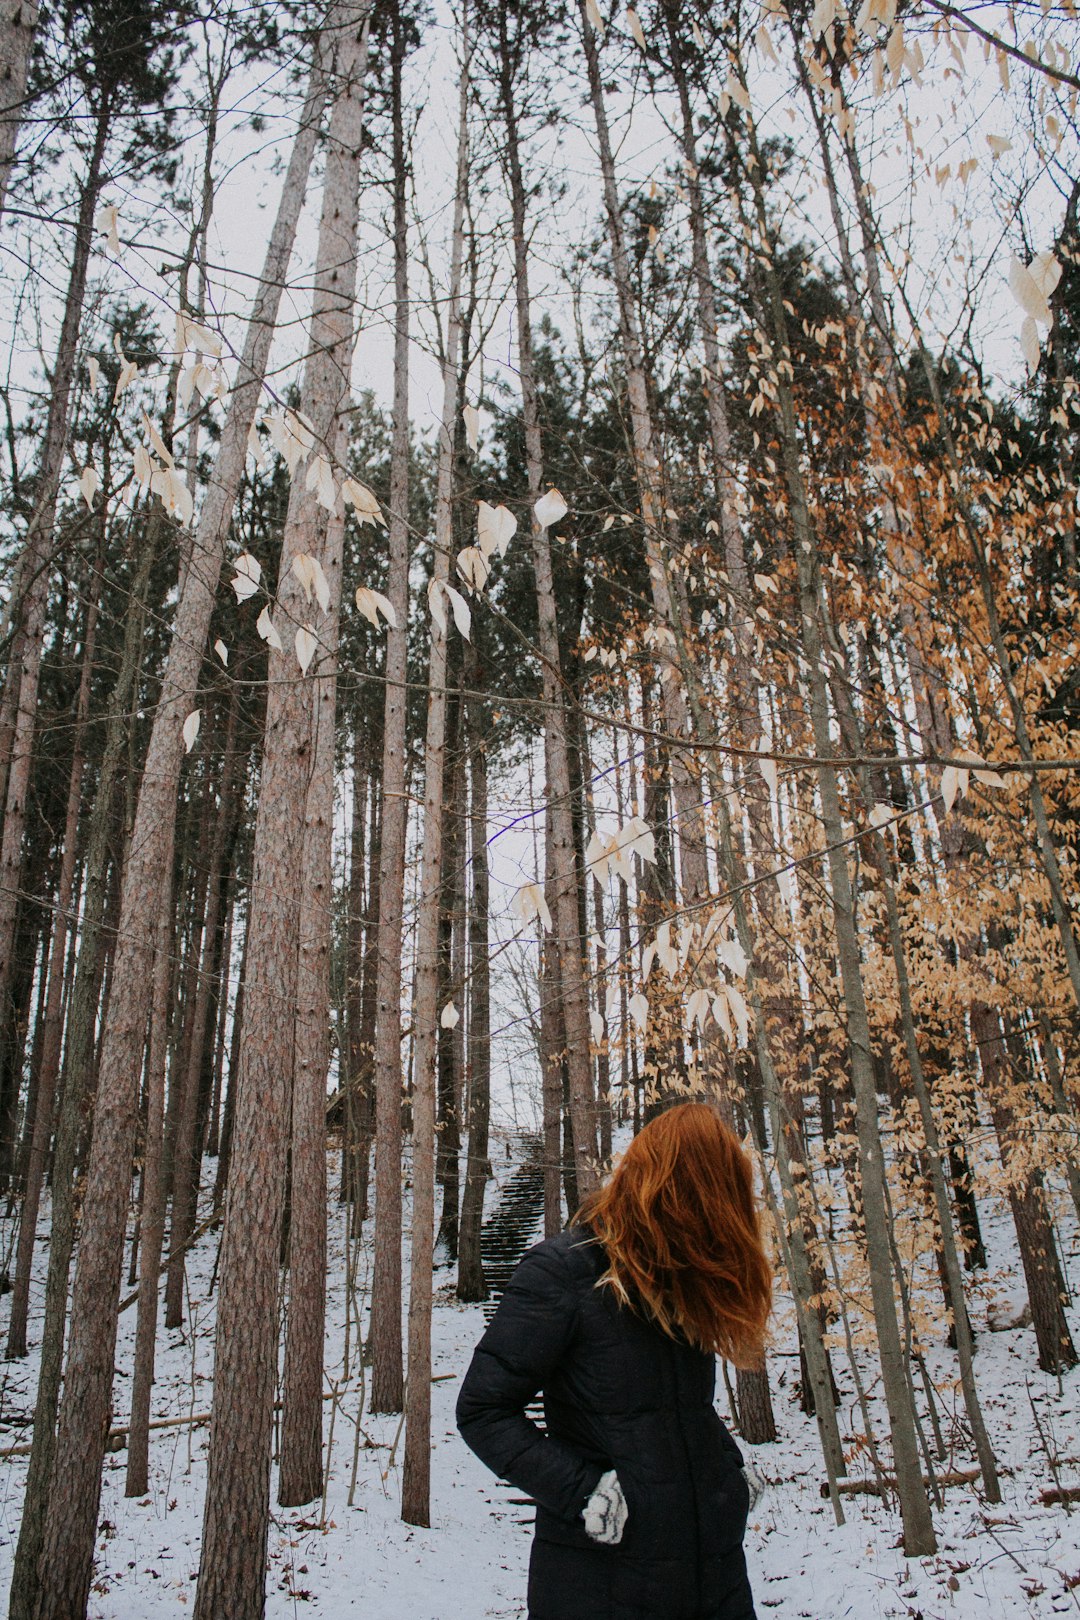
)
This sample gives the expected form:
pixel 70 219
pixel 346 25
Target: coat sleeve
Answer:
pixel 525 1342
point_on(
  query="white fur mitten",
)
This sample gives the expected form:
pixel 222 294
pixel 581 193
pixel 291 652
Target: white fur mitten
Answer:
pixel 754 1484
pixel 605 1511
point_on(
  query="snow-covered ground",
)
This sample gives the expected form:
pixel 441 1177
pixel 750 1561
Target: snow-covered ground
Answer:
pixel 337 1559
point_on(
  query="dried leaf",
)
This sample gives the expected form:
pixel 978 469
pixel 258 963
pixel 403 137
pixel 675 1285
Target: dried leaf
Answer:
pixel 998 145
pixel 94 370
pixel 89 483
pixel 320 478
pixel 471 419
pixel 363 502
pixel 449 1017
pixel 740 1012
pixel 638 1009
pixel 697 1008
pixel 550 508
pixel 265 626
pixel 633 22
pixel 191 729
pixel 306 642
pixel 1027 292
pixel 472 565
pixel 596 1027
pixel 462 615
pixel 1029 344
pixel 595 20
pixel 372 603
pixel 767 767
pixel 880 815
pixel 733 956
pixel 107 220
pixel 495 528
pixel 435 591
pixel 950 781
pixel 722 1013
pixel 222 651
pixel 529 902
pixel 248 575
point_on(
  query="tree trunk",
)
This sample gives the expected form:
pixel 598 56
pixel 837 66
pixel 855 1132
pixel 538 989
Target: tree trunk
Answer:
pixel 416 1477
pixel 451 1051
pixel 18 22
pixel 34 565
pixel 919 1538
pixel 471 1282
pixel 236 1518
pixel 563 887
pixel 301 1475
pixel 387 1387
pixel 67 1565
pixel 77 1081
pixel 187 1155
pixel 49 1070
pixel 1027 1201
pixel 153 1218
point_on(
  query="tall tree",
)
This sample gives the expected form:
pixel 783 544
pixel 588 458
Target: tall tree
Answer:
pixel 236 1517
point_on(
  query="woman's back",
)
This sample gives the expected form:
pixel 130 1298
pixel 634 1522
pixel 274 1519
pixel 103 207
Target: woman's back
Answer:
pixel 620 1394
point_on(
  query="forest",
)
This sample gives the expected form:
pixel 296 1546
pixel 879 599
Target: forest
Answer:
pixel 538 579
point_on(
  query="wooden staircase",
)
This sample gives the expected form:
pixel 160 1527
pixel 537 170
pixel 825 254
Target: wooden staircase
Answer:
pixel 514 1224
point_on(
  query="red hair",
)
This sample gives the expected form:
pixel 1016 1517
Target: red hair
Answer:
pixel 680 1227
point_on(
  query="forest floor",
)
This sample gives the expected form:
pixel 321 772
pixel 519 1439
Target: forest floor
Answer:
pixel 335 1559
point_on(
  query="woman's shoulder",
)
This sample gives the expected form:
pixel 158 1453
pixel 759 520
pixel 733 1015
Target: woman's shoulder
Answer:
pixel 574 1255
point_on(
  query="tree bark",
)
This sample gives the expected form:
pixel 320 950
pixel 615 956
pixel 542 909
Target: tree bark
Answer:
pixel 471 1283
pixel 137 1481
pixel 416 1477
pixel 301 1470
pixel 236 1518
pixel 18 24
pixel 49 1070
pixel 34 565
pixel 387 1386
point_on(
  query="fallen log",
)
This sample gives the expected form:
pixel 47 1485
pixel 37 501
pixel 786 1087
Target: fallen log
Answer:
pixel 872 1487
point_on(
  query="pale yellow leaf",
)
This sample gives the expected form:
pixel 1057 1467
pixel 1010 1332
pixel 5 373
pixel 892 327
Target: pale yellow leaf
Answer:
pixel 305 644
pixel 372 603
pixel 88 484
pixel 248 575
pixel 550 508
pixel 265 626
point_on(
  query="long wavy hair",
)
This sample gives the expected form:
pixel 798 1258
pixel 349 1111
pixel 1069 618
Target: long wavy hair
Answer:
pixel 679 1225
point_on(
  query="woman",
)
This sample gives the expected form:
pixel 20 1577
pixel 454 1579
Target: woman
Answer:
pixel 641 1500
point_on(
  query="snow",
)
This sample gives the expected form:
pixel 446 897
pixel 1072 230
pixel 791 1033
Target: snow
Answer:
pixel 1019 1559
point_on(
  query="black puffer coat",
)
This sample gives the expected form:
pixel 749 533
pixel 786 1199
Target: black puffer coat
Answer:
pixel 618 1393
